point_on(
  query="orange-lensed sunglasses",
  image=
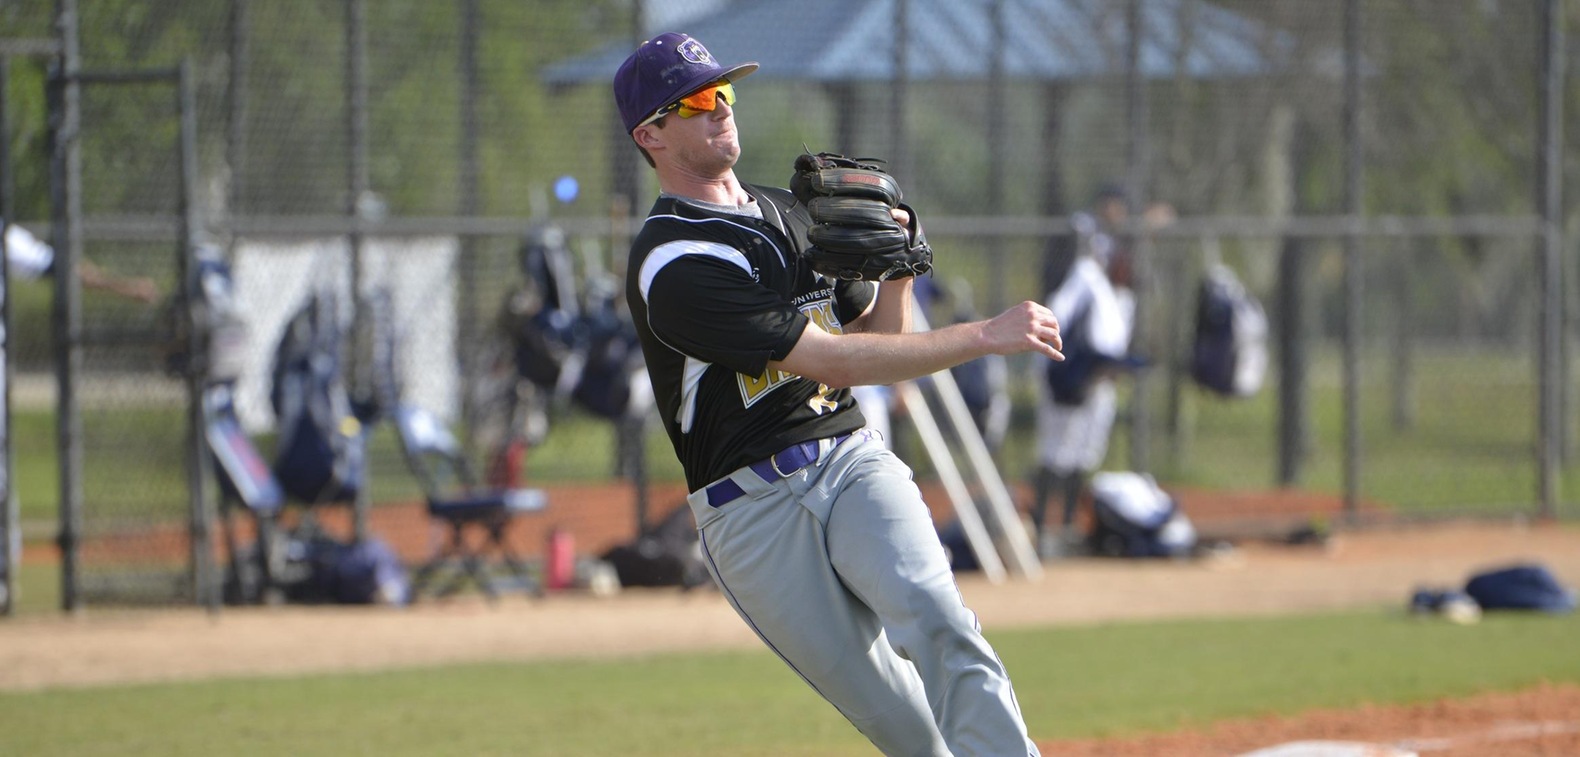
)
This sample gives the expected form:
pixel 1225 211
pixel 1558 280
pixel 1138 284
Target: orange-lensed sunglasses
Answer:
pixel 704 100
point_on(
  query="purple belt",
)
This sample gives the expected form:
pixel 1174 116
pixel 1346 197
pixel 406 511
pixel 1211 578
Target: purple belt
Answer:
pixel 780 464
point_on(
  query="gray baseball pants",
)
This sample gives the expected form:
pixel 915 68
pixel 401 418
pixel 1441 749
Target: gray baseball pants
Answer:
pixel 838 569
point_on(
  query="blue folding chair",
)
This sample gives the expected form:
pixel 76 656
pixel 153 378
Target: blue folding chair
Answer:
pixel 246 484
pixel 460 504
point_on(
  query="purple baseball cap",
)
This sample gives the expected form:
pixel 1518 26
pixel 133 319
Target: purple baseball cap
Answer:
pixel 663 70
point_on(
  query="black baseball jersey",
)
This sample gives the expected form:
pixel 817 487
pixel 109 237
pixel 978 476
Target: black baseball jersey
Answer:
pixel 716 295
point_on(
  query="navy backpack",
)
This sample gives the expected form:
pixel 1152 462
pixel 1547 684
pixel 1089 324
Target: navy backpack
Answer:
pixel 319 457
pixel 1229 354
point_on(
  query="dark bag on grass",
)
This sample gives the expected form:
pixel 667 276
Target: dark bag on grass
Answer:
pixel 363 572
pixel 1520 587
pixel 666 555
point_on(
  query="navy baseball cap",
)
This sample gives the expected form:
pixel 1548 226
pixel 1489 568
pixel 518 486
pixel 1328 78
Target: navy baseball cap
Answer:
pixel 663 70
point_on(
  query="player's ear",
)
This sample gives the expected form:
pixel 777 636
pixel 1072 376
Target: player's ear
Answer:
pixel 647 137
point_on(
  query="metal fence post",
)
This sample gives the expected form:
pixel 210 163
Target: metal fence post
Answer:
pixel 205 583
pixel 66 212
pixel 10 515
pixel 899 94
pixel 998 147
pixel 470 203
pixel 1354 290
pixel 1550 420
pixel 1138 117
pixel 625 178
pixel 358 189
pixel 237 102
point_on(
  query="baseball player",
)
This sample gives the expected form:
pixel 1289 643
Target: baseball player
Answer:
pixel 1092 297
pixel 1074 422
pixel 812 529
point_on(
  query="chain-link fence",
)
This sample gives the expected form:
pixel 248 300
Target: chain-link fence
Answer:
pixel 1381 174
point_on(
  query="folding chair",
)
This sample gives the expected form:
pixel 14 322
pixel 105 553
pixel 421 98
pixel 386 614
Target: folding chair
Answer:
pixel 455 500
pixel 244 479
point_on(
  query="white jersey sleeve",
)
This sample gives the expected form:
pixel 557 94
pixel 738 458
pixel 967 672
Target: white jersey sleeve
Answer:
pixel 29 257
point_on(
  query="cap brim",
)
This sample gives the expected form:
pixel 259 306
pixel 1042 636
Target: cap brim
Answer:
pixel 737 73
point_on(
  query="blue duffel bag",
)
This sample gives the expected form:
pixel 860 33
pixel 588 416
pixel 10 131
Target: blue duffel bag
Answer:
pixel 1520 587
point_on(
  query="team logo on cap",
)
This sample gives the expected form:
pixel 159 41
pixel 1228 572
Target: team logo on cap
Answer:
pixel 694 52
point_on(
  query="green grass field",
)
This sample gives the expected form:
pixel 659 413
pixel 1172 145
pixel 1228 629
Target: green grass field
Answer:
pixel 1072 682
pixel 1468 448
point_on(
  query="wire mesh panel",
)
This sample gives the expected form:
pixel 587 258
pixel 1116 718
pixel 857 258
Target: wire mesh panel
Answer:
pixel 135 508
pixel 419 147
pixel 1449 393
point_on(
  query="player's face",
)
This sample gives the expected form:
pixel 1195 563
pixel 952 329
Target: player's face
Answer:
pixel 707 143
pixel 1113 210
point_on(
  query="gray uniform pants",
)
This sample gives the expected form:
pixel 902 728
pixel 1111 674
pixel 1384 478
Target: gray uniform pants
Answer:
pixel 839 570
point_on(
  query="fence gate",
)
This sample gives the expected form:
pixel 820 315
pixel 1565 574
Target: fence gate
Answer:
pixel 134 518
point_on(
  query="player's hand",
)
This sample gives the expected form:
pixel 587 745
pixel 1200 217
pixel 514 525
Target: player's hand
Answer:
pixel 1027 327
pixel 902 217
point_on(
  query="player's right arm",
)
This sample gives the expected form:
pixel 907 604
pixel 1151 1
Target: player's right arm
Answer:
pixel 842 360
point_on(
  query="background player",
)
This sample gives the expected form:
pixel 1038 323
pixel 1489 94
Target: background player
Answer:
pixel 31 258
pixel 811 528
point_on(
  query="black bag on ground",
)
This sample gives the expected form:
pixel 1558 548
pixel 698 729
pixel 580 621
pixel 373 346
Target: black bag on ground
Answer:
pixel 1135 518
pixel 330 571
pixel 666 555
pixel 1520 587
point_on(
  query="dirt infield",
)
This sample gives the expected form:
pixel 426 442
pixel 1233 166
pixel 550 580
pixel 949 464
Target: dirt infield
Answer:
pixel 1362 569
pixel 1541 721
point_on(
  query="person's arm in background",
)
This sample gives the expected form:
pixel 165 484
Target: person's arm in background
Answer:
pixel 140 288
pixel 31 258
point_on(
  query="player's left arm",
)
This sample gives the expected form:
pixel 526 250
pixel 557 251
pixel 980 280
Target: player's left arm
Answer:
pixel 890 311
pixel 841 360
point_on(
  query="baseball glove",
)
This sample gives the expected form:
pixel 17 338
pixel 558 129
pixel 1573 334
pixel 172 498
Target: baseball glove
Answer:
pixel 853 235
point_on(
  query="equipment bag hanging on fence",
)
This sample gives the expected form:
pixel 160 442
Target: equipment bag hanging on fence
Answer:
pixel 320 454
pixel 1229 355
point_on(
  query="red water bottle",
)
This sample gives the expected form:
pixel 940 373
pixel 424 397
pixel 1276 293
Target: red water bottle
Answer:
pixel 559 560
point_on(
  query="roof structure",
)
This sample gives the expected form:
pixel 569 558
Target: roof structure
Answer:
pixel 834 41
